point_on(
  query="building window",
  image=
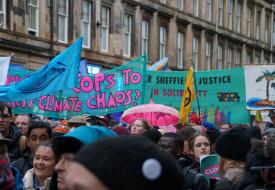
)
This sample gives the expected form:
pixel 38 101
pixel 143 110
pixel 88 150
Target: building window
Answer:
pixel 267 25
pixel 181 5
pixel 249 21
pixel 33 17
pixel 162 42
pixel 230 14
pixel 207 55
pixel 248 58
pixel 220 57
pixel 258 20
pixel 238 58
pixel 220 16
pixel 196 53
pixel 163 1
pixel 144 36
pixel 63 21
pixel 239 13
pixel 105 23
pixel 229 57
pixel 180 45
pixel 86 22
pixel 3 21
pixel 196 7
pixel 208 10
pixel 127 34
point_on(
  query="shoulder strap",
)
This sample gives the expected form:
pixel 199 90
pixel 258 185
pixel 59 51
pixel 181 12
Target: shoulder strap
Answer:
pixel 22 143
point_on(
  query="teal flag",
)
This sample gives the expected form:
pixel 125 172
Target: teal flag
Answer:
pixel 108 92
pixel 59 74
pixel 221 93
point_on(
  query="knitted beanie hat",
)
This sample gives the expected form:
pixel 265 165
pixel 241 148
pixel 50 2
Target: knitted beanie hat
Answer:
pixel 131 163
pixel 234 144
pixel 76 138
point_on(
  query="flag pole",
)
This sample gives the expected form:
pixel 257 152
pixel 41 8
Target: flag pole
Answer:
pixel 195 85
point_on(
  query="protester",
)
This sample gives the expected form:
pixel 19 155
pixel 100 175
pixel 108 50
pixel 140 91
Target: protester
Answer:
pixel 272 118
pixel 199 145
pixel 194 119
pixel 186 133
pixel 233 147
pixel 76 121
pixel 256 138
pixel 124 163
pixel 211 131
pixel 259 169
pixel 6 175
pixel 10 131
pixel 139 127
pixel 152 134
pixel 172 143
pixel 38 132
pixel 43 166
pixel 65 148
pixel 22 121
pixel 266 132
pixel 225 126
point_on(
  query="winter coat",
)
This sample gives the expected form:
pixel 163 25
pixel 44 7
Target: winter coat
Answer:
pixel 23 164
pixel 31 182
pixel 252 179
pixel 6 175
pixel 13 147
pixel 231 178
pixel 193 180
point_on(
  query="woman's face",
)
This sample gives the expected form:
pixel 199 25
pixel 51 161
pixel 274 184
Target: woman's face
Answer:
pixel 137 128
pixel 201 147
pixel 44 162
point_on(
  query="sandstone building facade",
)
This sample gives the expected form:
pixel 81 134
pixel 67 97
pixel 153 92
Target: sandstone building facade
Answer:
pixel 211 34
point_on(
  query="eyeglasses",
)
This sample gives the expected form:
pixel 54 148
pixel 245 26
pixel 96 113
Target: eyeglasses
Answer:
pixel 4 116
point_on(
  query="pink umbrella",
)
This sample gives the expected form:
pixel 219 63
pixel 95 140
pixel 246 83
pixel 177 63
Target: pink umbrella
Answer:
pixel 155 114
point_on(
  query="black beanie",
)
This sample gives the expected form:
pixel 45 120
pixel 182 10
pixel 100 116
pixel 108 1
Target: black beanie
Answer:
pixel 131 163
pixel 234 144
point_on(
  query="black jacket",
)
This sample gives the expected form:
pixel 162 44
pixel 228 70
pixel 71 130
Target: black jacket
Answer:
pixel 13 147
pixel 252 178
pixel 225 184
pixel 193 180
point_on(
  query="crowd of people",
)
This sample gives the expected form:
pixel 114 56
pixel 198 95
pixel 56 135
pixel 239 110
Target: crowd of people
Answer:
pixel 91 153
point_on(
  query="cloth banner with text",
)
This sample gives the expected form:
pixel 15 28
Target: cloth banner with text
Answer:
pixel 221 93
pixel 108 92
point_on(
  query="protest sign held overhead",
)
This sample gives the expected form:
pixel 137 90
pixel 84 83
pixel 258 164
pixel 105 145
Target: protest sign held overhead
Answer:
pixel 108 92
pixel 59 74
pixel 260 87
pixel 219 92
pixel 4 67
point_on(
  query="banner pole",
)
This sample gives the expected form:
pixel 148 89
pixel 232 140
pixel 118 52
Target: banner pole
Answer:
pixel 195 85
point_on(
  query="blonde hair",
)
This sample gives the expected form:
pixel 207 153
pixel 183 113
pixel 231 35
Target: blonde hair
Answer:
pixel 226 164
